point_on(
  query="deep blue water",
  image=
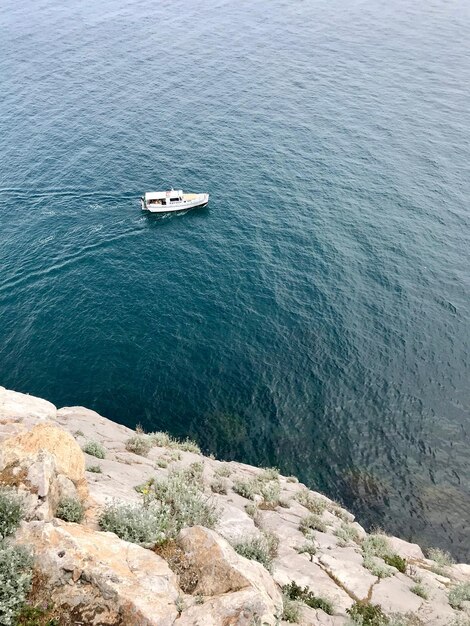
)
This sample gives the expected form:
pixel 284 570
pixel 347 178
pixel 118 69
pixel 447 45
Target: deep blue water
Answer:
pixel 316 315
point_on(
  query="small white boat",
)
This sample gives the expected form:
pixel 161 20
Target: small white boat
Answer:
pixel 173 200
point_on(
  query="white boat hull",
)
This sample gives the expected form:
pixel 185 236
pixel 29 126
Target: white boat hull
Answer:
pixel 200 200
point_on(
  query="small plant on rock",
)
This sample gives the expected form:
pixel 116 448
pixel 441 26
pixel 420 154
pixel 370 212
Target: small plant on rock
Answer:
pixel 219 485
pixel 36 616
pixel 11 512
pixel 308 547
pixel 262 549
pixel 70 510
pixel 160 439
pixel 270 492
pixel 290 610
pixel 253 511
pixel 245 488
pixel 292 479
pixel 269 473
pixel 147 526
pixel 15 581
pixel 312 522
pixel 95 469
pixel 420 591
pixel 441 559
pixel 139 444
pixel 347 533
pixel 295 592
pixel 377 567
pixel 367 614
pixel 376 545
pixel 223 470
pixel 313 503
pixel 458 595
pixel 396 561
pixel 93 448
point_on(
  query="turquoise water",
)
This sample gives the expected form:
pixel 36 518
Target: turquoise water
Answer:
pixel 316 315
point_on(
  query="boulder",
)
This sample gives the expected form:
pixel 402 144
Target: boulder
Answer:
pixel 96 578
pixel 405 549
pixel 45 462
pixel 20 407
pixel 220 570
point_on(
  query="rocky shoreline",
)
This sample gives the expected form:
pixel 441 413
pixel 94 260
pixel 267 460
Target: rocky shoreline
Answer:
pixel 195 541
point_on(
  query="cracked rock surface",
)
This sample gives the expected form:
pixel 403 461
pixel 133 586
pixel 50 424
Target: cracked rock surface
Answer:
pixel 97 578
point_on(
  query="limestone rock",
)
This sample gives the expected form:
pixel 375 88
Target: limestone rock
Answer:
pixel 348 570
pixel 20 407
pixel 99 579
pixel 405 549
pixel 394 595
pixel 46 462
pixel 235 523
pixel 220 570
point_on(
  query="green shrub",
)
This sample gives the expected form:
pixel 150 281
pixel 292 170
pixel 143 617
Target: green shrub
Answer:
pixel 162 463
pixel 441 559
pixel 36 616
pixel 396 561
pixel 79 433
pixel 339 512
pixel 145 525
pixel 367 614
pixel 93 448
pixel 219 485
pixel 377 567
pixel 15 581
pixel 293 591
pixel 162 440
pixel 253 511
pixel 270 492
pixel 262 549
pixel 195 473
pixel 290 610
pixel 245 488
pixel 312 522
pixel 139 444
pixel 181 492
pixel 70 510
pixel 376 545
pixel 96 469
pixel 187 446
pixel 313 503
pixel 269 473
pixel 420 591
pixel 223 470
pixel 11 512
pixel 308 547
pixel 347 533
pixel 458 595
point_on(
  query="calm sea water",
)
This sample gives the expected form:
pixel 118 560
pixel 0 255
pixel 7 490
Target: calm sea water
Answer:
pixel 316 315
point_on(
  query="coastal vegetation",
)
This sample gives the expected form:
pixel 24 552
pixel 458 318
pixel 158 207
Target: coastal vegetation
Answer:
pixel 93 448
pixel 293 591
pixel 70 510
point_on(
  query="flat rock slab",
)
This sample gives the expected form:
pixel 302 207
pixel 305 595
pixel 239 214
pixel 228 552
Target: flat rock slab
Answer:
pixel 298 568
pixel 394 595
pixel 350 574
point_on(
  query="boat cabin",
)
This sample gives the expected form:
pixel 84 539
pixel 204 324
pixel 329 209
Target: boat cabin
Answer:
pixel 155 198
